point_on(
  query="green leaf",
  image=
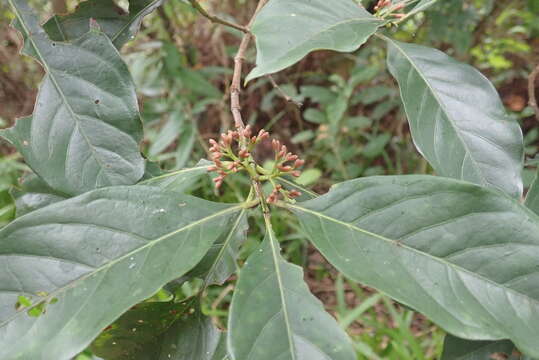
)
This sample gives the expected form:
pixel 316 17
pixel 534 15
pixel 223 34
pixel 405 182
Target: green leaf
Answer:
pixel 166 136
pixel 464 255
pixel 287 31
pixel 193 337
pixel 457 120
pixel 161 331
pixel 181 180
pixel 138 334
pixel 95 256
pixel 460 349
pixel 119 26
pixel 33 194
pixel 376 145
pixel 274 316
pixel 85 128
pixel 532 197
pixel 220 262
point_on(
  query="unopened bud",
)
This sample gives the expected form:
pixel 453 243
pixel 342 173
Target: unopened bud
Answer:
pixel 296 173
pixel 298 163
pixel 284 168
pixel 244 153
pixel 294 194
pixel 275 144
pixel 291 157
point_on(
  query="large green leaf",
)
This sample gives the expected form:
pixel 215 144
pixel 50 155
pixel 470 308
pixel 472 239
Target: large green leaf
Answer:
pixel 33 194
pixel 138 334
pixel 460 349
pixel 457 119
pixel 274 316
pixel 94 256
pixel 85 128
pixel 464 255
pixel 286 31
pixel 119 26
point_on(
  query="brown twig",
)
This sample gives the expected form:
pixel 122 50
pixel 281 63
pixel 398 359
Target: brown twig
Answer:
pixel 284 95
pixel 235 87
pixel 531 91
pixel 216 19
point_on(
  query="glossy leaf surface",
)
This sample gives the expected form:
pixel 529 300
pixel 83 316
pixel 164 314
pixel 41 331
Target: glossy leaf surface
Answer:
pixel 460 349
pixel 274 316
pixel 286 31
pixel 193 336
pixel 161 331
pixel 464 255
pixel 138 334
pixel 85 128
pixel 457 120
pixel 119 26
pixel 94 256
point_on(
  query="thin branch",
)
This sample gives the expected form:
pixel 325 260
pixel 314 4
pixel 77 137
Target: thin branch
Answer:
pixel 288 98
pixel 531 91
pixel 235 87
pixel 216 19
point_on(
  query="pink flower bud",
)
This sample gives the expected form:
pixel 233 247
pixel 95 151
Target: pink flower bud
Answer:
pixel 275 144
pixel 291 157
pixel 294 194
pixel 284 168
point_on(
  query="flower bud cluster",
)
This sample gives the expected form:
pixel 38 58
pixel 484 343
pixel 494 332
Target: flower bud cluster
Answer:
pixel 223 152
pixel 233 153
pixel 282 156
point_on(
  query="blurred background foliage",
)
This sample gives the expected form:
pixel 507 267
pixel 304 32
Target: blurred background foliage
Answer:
pixel 351 123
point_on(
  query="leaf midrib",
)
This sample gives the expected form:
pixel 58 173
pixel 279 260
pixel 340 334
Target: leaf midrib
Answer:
pixel 223 249
pixel 173 173
pixel 131 20
pixel 442 106
pixel 129 254
pixel 50 74
pixel 275 255
pixel 411 249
